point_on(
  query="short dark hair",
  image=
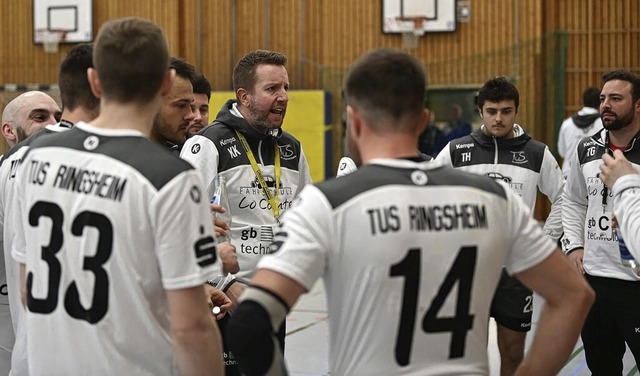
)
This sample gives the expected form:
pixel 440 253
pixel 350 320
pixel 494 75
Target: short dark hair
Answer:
pixel 202 86
pixel 387 83
pixel 131 57
pixel 75 90
pixel 624 75
pixel 244 72
pixel 183 68
pixel 498 89
pixel 591 97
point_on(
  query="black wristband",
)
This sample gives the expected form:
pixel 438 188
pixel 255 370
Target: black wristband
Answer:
pixel 225 288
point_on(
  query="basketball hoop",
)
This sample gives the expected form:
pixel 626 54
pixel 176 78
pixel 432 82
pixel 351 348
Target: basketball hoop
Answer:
pixel 412 30
pixel 50 39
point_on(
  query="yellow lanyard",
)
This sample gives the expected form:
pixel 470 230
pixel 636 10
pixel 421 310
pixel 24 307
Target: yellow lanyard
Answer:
pixel 273 199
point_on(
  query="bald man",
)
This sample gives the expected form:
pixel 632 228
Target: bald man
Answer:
pixel 28 113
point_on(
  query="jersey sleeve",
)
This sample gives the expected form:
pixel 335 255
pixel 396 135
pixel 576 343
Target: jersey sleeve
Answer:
pixel 626 207
pixel 529 246
pixel 346 166
pixel 562 141
pixel 303 171
pixel 302 242
pixel 15 231
pixel 551 184
pixel 203 155
pixel 185 242
pixel 445 156
pixel 574 208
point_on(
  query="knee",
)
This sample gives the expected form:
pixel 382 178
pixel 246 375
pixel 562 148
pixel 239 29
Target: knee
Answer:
pixel 512 353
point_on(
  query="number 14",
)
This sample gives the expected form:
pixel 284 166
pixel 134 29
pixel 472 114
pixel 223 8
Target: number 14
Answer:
pixel 461 271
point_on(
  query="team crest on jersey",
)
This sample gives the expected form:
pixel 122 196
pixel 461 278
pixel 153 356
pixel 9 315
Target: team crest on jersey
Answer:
pixel 286 152
pixel 91 142
pixel 419 177
pixel 195 149
pixel 195 194
pixel 519 157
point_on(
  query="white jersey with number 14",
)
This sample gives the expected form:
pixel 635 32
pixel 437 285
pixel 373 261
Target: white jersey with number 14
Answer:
pixel 410 254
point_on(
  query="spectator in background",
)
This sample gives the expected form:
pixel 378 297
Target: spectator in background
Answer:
pixel 428 140
pixel 583 123
pixel 200 105
pixel 456 127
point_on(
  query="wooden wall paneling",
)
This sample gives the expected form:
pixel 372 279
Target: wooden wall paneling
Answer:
pixel 217 39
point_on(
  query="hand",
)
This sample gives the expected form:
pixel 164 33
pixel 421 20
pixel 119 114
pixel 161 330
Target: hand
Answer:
pixel 221 227
pixel 615 167
pixel 227 254
pixel 575 258
pixel 233 293
pixel 217 298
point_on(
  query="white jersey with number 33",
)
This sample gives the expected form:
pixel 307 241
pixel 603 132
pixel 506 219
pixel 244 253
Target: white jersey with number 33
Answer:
pixel 410 254
pixel 111 221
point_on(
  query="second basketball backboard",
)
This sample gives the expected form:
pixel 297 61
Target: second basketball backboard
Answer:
pixel 439 15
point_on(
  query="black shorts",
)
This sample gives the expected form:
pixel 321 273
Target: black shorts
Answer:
pixel 512 305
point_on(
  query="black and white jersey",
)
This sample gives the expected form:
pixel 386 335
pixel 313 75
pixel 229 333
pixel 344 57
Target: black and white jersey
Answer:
pixel 347 165
pixel 13 325
pixel 626 203
pixel 112 221
pixel 523 163
pixel 587 215
pixel 216 150
pixel 411 253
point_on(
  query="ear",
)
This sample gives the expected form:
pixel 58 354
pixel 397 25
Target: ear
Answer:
pixel 9 134
pixel 242 95
pixel 167 82
pixel 424 121
pixel 354 123
pixel 94 82
pixel 480 111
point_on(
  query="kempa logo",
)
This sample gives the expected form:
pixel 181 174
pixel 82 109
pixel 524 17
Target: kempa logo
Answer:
pixel 227 141
pixel 464 146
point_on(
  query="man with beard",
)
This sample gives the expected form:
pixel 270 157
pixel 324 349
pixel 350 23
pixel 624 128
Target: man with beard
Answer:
pixel 200 105
pixel 27 113
pixel 590 241
pixel 264 166
pixel 175 114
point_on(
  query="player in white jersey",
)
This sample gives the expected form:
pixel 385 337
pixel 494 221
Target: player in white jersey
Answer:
pixel 79 105
pixel 24 115
pixel 115 253
pixel 410 252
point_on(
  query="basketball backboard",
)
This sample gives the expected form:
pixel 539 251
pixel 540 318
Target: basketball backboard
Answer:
pixel 74 17
pixel 440 15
